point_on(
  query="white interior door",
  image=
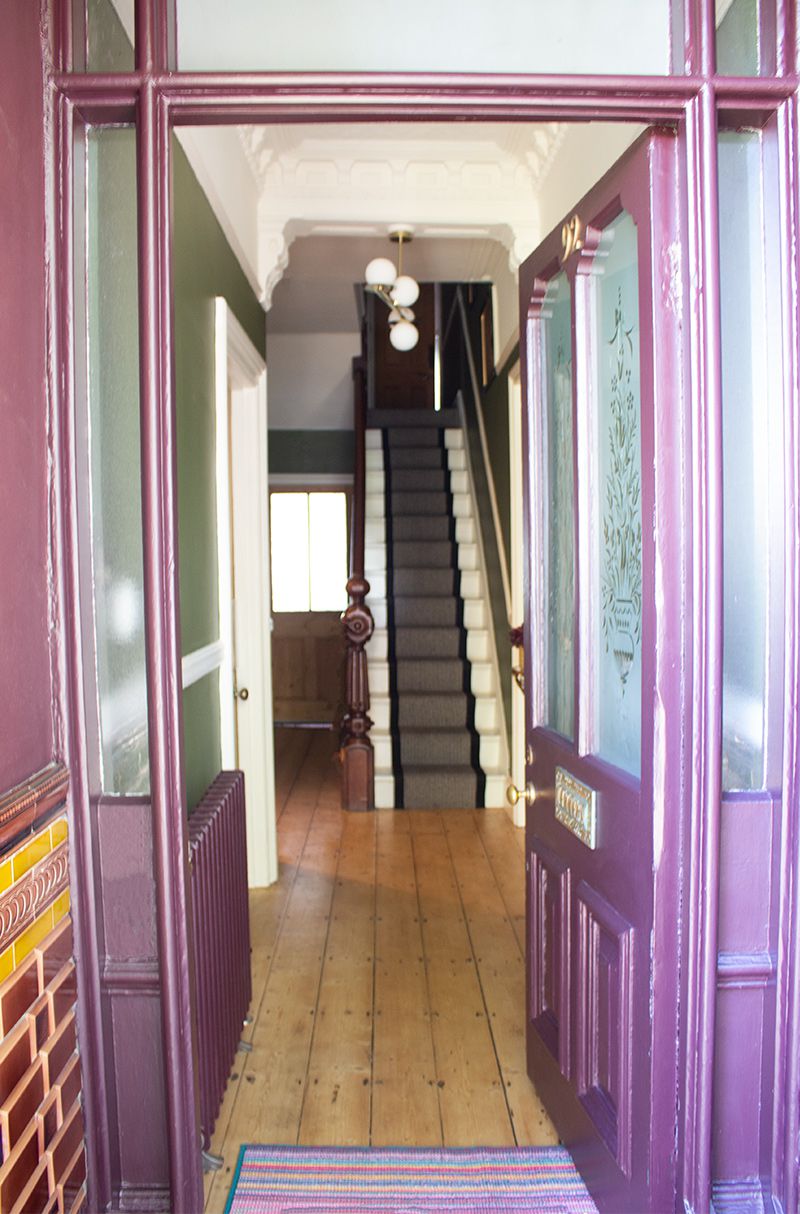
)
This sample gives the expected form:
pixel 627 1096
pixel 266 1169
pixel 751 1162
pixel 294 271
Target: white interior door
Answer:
pixel 244 595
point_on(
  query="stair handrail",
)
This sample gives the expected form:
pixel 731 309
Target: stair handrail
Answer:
pixel 356 752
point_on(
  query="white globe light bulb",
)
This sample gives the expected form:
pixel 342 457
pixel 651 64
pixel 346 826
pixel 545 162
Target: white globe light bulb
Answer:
pixel 404 336
pixel 405 291
pixel 380 272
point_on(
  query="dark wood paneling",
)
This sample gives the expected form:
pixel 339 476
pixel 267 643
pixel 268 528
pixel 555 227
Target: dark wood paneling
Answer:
pixel 404 379
pixel 308 666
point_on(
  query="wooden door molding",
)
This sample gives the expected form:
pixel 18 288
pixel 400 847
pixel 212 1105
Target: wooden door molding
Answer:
pixel 243 541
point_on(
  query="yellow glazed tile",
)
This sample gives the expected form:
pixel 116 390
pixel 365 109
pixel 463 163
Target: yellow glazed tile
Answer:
pixel 40 846
pixel 60 830
pixel 32 935
pixel 61 907
pixel 6 962
pixel 6 874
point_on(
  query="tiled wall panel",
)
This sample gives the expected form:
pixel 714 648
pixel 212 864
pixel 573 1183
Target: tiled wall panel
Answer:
pixel 42 1156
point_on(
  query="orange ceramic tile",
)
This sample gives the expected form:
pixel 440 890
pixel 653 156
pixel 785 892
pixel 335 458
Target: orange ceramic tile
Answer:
pixel 69 1083
pixel 18 1170
pixel 58 1050
pixel 54 950
pixel 64 1147
pixel 17 993
pixel 74 1178
pixel 20 1109
pixel 35 1194
pixel 61 906
pixel 60 831
pixel 16 1054
pixel 63 991
pixel 40 1018
pixel 49 1118
pixel 33 935
pixel 6 962
pixel 32 852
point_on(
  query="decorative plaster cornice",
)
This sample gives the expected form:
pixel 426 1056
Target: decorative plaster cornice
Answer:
pixel 480 182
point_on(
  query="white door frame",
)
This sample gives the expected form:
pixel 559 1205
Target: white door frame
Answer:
pixel 241 426
pixel 517 763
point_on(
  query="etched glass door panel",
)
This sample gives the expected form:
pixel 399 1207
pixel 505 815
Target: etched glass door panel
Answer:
pixel 616 582
pixel 560 507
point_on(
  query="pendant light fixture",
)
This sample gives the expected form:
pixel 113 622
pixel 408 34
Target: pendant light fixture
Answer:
pixel 397 290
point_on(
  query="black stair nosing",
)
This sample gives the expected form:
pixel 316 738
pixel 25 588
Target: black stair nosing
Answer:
pixel 394 726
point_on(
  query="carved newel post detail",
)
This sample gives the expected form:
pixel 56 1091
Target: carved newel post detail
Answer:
pixel 358 765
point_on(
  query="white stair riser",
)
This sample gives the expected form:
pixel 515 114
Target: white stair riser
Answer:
pixel 380 711
pixel 453 438
pixel 378 678
pixel 378 609
pixel 465 530
pixel 375 506
pixel 456 459
pixel 374 459
pixel 471 587
pixel 374 481
pixel 495 797
pixel 384 792
pixel 382 748
pixel 490 751
pixel 474 613
pixel 485 714
pixel 373 439
pixel 374 558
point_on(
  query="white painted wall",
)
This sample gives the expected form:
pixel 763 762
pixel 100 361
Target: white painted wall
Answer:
pixel 587 152
pixel 450 35
pixel 310 380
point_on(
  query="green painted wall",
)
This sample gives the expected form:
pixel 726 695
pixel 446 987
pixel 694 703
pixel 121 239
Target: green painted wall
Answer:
pixel 204 266
pixel 316 451
pixel 495 420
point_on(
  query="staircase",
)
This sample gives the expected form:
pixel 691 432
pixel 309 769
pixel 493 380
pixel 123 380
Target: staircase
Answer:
pixel 438 731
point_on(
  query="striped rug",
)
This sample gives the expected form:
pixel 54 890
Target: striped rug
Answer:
pixel 332 1180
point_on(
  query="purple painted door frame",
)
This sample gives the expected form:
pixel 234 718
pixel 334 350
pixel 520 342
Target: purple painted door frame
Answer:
pixel 156 98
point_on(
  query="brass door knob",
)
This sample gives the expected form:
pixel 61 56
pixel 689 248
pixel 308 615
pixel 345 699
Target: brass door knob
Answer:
pixel 515 794
pixel 244 694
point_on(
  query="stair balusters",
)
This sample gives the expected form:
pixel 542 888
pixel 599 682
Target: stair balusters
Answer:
pixel 356 753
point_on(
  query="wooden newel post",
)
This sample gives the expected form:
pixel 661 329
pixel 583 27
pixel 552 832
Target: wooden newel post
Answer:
pixel 358 765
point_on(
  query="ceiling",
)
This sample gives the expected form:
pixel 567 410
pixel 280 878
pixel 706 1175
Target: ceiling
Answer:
pixel 316 293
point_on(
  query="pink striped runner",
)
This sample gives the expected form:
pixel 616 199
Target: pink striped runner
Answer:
pixel 332 1180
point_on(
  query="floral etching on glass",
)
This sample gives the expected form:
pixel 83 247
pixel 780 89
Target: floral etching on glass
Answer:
pixel 563 556
pixel 622 524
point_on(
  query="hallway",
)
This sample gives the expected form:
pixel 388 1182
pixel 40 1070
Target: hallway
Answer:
pixel 388 978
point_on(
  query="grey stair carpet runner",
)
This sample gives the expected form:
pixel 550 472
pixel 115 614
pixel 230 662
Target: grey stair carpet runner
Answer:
pixel 436 748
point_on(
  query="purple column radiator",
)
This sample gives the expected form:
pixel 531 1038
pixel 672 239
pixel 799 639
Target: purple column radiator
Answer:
pixel 218 862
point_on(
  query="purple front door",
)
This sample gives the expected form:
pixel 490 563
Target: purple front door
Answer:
pixel 604 643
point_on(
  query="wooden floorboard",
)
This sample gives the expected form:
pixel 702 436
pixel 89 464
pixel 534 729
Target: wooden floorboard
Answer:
pixel 388 978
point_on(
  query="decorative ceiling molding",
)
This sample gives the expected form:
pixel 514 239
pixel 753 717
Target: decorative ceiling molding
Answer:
pixel 476 181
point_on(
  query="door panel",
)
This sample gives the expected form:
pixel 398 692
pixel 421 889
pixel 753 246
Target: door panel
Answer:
pixel 606 669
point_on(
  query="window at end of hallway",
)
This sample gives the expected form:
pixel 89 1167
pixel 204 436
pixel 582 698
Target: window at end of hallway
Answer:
pixel 308 542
